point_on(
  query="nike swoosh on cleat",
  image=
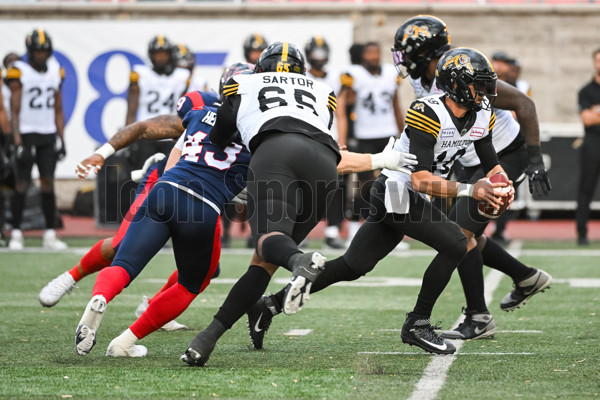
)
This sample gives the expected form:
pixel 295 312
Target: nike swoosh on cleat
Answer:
pixel 479 331
pixel 256 328
pixel 437 346
pixel 295 296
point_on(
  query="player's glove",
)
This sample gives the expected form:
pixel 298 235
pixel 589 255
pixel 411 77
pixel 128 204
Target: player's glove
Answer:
pixel 393 159
pixel 138 174
pixel 21 153
pixel 241 198
pixel 539 182
pixel 59 149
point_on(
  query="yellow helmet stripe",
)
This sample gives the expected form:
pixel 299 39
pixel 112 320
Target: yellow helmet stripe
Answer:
pixel 284 53
pixel 259 39
pixel 161 40
pixel 319 40
pixel 42 36
pixel 182 49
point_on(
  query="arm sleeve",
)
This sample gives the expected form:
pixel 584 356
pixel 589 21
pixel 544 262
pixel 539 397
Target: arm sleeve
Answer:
pixel 421 145
pixel 179 144
pixel 486 153
pixel 226 127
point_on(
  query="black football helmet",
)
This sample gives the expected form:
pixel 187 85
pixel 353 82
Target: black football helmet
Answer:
pixel 461 67
pixel 418 41
pixel 232 70
pixel 317 52
pixel 38 40
pixel 185 57
pixel 161 43
pixel 281 57
pixel 254 42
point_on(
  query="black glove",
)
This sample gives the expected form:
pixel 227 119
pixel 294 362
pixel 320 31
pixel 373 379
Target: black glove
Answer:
pixel 539 183
pixel 59 149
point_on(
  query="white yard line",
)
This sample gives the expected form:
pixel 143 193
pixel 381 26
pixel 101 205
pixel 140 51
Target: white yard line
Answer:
pixel 435 373
pixel 298 332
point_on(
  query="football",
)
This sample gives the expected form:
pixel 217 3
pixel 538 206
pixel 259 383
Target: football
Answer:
pixel 485 208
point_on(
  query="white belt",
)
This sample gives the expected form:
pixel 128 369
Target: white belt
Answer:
pixel 196 195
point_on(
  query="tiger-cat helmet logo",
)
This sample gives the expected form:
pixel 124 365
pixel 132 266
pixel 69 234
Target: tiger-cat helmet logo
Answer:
pixel 417 32
pixel 460 61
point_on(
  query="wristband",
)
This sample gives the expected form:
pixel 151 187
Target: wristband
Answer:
pixel 377 161
pixel 106 150
pixel 465 190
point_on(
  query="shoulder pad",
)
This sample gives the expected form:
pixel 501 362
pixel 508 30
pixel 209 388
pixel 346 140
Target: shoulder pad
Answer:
pixel 421 116
pixel 13 73
pixel 195 99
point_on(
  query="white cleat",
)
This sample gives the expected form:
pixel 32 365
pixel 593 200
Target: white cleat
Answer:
pixel 56 289
pixel 305 270
pixel 124 346
pixel 171 326
pixel 85 335
pixel 16 240
pixel 51 242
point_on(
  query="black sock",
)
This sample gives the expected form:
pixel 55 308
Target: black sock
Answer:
pixel 495 256
pixel 216 329
pixel 243 295
pixel 49 209
pixel 438 275
pixel 335 271
pixel 470 271
pixel 277 249
pixel 17 204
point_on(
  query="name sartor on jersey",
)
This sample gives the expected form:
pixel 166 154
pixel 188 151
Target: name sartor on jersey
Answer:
pixel 210 118
pixel 455 143
pixel 288 80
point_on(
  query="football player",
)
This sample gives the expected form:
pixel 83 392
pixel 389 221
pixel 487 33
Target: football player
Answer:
pixel 440 129
pixel 317 55
pixel 372 88
pixel 418 45
pixel 153 91
pixel 283 118
pixel 37 125
pixel 253 46
pixel 102 253
pixel 4 161
pixel 187 60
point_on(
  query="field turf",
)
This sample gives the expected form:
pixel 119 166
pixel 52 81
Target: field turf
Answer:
pixel 548 349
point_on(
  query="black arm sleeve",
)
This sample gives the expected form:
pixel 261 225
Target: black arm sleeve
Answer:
pixel 226 127
pixel 421 145
pixel 486 153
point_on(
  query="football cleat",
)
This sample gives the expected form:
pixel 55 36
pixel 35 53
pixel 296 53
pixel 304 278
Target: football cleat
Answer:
pixel 16 240
pixel 420 333
pixel 51 242
pixel 260 316
pixel 305 270
pixel 124 346
pixel 199 350
pixel 170 326
pixel 85 335
pixel 475 326
pixel 334 243
pixel 56 289
pixel 525 289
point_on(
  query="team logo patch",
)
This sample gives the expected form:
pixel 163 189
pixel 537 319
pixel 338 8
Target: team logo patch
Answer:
pixel 419 107
pixel 477 132
pixel 448 133
pixel 417 32
pixel 460 61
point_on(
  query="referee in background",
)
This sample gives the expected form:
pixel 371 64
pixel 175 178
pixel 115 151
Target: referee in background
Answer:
pixel 589 162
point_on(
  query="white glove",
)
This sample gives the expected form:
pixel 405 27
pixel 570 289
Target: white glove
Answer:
pixel 241 198
pixel 138 174
pixel 393 159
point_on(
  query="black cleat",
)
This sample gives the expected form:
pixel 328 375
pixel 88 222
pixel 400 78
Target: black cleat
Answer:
pixel 420 333
pixel 259 320
pixel 199 350
pixel 305 270
pixel 525 289
pixel 475 326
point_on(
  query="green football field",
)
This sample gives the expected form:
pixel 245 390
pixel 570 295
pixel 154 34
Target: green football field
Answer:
pixel 344 344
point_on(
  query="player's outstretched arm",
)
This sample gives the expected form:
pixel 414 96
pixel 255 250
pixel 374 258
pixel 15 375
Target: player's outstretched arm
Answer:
pixel 161 127
pixel 388 158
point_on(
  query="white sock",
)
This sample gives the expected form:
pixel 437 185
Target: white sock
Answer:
pixel 127 338
pixel 353 227
pixel 332 232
